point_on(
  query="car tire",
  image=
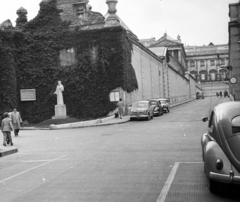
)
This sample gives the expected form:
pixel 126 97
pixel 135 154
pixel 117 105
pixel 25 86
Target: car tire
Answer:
pixel 213 186
pixel 131 119
pixel 168 110
pixel 152 117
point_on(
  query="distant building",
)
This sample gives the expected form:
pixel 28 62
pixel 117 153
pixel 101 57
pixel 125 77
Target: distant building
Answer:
pixel 234 47
pixel 205 62
pixel 176 56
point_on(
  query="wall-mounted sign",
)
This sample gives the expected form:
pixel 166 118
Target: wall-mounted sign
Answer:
pixel 233 80
pixel 28 94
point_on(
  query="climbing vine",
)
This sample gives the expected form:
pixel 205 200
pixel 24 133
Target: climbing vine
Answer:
pixel 31 61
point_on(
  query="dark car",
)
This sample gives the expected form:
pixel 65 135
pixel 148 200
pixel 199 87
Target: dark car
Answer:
pixel 165 103
pixel 221 145
pixel 200 95
pixel 157 107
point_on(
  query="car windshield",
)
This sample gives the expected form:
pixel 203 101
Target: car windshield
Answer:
pixel 153 102
pixel 163 101
pixel 140 105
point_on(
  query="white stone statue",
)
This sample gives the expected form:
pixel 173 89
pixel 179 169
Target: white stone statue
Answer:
pixel 59 91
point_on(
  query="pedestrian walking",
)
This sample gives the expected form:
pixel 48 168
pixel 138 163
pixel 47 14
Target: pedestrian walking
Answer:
pixel 220 93
pixel 120 108
pixel 6 127
pixel 16 120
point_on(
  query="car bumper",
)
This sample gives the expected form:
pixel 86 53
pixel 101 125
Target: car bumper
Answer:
pixel 225 178
pixel 139 116
pixel 155 112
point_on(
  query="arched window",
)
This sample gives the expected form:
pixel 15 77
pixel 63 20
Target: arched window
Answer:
pixel 203 76
pixel 213 75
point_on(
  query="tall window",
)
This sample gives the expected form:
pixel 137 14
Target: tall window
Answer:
pixel 192 63
pixel 202 63
pixel 114 96
pixel 213 76
pixel 203 77
pixel 212 62
pixel 67 57
pixel 222 62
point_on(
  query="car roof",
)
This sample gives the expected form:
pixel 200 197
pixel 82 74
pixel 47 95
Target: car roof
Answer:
pixel 161 99
pixel 227 110
pixel 144 101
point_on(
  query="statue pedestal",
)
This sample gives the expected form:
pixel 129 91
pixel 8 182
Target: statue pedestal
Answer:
pixel 60 112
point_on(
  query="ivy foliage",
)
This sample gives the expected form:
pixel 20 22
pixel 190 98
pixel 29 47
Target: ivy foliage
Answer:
pixel 103 63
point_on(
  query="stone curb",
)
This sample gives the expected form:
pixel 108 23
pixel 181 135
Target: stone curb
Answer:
pixel 7 151
pixel 80 124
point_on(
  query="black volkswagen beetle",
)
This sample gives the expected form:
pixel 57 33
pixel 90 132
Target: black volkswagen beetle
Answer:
pixel 221 145
pixel 157 107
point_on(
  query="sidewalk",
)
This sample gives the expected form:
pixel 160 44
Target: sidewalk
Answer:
pixel 98 122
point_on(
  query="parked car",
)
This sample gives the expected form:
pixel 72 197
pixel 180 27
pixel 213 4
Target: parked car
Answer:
pixel 165 103
pixel 157 107
pixel 200 95
pixel 141 109
pixel 220 145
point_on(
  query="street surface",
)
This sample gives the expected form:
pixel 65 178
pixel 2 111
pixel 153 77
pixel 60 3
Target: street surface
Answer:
pixel 139 161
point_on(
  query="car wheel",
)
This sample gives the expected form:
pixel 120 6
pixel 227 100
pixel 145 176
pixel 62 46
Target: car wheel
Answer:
pixel 131 119
pixel 168 110
pixel 213 186
pixel 152 117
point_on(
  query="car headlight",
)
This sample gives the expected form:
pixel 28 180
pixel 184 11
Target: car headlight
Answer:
pixel 219 164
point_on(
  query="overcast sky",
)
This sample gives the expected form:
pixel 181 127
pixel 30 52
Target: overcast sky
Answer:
pixel 198 22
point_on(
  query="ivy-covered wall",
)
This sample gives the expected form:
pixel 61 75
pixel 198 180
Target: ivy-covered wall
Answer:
pixel 103 63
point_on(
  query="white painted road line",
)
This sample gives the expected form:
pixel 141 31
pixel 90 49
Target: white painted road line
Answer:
pixel 168 183
pixel 9 178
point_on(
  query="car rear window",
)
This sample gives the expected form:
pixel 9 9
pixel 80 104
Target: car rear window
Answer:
pixel 236 125
pixel 140 105
pixel 153 102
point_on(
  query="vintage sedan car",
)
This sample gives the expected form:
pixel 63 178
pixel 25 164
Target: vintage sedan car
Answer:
pixel 157 107
pixel 199 95
pixel 141 109
pixel 221 145
pixel 165 104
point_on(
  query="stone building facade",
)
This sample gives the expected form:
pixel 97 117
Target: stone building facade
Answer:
pixel 234 48
pixel 155 78
pixel 205 62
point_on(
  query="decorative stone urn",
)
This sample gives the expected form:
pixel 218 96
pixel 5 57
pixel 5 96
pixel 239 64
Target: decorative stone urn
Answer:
pixel 112 19
pixel 112 6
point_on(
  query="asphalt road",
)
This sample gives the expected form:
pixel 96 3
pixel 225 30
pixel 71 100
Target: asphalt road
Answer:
pixel 139 161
